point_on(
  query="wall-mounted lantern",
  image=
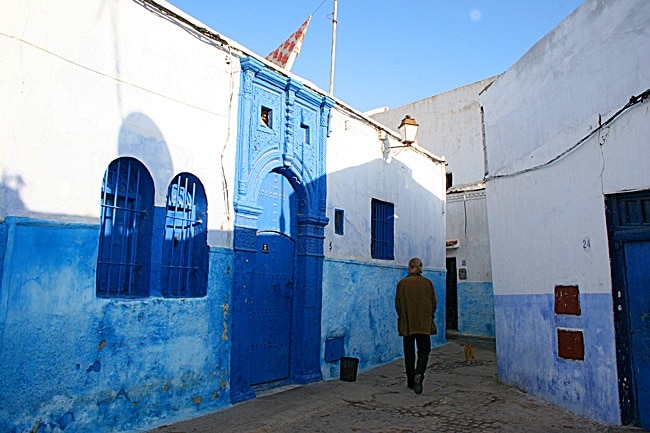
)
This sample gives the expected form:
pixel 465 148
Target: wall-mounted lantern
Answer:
pixel 408 129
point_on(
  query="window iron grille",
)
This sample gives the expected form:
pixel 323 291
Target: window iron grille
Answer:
pixel 126 198
pixel 382 230
pixel 184 239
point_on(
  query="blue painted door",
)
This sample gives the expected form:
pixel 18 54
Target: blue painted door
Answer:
pixel 637 272
pixel 271 309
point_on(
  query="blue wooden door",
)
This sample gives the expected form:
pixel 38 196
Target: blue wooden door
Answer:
pixel 637 272
pixel 270 309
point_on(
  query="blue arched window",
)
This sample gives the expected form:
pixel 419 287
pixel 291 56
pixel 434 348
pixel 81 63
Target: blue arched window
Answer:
pixel 185 249
pixel 126 218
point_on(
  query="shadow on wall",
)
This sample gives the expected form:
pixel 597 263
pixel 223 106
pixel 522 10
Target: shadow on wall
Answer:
pixel 11 185
pixel 140 138
pixel 352 191
pixel 358 295
pixel 135 363
pixel 126 361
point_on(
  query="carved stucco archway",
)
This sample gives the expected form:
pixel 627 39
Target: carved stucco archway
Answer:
pixel 292 144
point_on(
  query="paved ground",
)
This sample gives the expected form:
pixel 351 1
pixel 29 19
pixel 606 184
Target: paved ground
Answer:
pixel 457 398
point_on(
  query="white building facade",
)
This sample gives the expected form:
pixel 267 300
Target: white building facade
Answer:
pixel 166 195
pixel 568 186
pixel 451 125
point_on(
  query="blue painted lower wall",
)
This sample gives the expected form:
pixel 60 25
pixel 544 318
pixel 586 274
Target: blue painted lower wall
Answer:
pixel 475 308
pixel 527 353
pixel 74 362
pixel 77 363
pixel 359 304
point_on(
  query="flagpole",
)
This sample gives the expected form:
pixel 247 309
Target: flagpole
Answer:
pixel 334 22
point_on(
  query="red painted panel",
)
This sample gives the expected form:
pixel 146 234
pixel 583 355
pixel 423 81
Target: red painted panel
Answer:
pixel 567 300
pixel 570 344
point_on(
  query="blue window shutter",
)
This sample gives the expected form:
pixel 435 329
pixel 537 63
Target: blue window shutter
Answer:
pixel 185 251
pixel 382 230
pixel 124 255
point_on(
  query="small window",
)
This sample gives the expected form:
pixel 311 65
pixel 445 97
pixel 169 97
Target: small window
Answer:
pixel 338 221
pixel 305 133
pixel 382 230
pixel 126 217
pixel 450 180
pixel 266 117
pixel 185 250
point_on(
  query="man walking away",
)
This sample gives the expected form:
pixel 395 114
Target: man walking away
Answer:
pixel 415 303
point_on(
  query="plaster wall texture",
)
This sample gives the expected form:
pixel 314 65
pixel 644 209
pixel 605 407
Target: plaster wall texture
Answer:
pixel 123 83
pixel 112 87
pixel 526 335
pixel 450 126
pixel 359 305
pixel 546 189
pixel 547 89
pixel 358 170
pixel 467 222
pixel 547 92
pixel 475 308
pixel 358 291
pixel 77 363
pixel 128 82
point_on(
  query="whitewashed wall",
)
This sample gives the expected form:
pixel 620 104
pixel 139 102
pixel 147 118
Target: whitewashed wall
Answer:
pixel 451 125
pixel 547 220
pixel 63 136
pixel 359 170
pixel 359 291
pixel 467 224
pixel 548 101
pixel 84 82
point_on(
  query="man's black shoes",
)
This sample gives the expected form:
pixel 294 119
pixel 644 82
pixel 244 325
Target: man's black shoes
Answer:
pixel 418 384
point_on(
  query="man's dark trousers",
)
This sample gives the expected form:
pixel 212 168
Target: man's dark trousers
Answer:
pixel 423 342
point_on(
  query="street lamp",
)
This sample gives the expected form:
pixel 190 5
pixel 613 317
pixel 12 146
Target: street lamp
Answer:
pixel 408 128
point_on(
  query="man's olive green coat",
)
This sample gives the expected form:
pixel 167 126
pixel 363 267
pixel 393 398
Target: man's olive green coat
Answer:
pixel 415 303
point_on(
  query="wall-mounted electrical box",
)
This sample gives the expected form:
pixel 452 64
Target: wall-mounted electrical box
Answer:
pixel 334 347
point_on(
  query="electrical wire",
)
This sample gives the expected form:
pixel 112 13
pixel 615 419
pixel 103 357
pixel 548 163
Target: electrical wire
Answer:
pixel 109 76
pixel 318 7
pixel 224 180
pixel 169 13
pixel 632 102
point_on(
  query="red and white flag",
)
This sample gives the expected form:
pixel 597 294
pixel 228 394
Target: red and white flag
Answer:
pixel 286 53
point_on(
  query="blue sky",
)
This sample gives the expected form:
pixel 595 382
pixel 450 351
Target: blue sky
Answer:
pixel 389 52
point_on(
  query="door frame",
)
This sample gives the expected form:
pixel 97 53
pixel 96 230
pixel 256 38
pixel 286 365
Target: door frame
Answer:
pixel 275 147
pixel 307 300
pixel 451 297
pixel 618 234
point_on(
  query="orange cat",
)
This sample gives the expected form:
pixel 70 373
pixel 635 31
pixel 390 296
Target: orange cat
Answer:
pixel 469 354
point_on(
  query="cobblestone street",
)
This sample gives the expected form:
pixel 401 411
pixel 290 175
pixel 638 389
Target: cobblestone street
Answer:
pixel 457 397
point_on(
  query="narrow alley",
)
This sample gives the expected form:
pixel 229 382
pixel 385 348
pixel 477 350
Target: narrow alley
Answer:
pixel 457 397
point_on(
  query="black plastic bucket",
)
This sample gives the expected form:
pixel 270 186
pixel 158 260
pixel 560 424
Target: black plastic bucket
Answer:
pixel 349 368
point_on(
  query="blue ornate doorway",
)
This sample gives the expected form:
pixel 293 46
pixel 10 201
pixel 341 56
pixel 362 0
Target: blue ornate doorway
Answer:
pixel 272 293
pixel 280 201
